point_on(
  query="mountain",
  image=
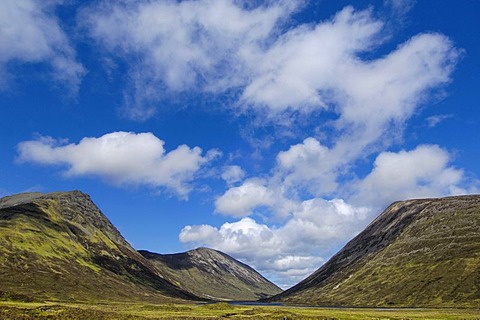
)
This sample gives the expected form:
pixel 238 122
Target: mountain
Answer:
pixel 212 274
pixel 421 253
pixel 60 246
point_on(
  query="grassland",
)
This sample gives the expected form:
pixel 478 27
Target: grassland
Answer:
pixel 121 311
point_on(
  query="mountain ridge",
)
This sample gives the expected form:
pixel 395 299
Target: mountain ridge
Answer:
pixel 422 252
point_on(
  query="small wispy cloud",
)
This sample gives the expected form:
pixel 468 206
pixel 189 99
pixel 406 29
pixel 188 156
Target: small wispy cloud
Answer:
pixel 435 120
pixel 232 174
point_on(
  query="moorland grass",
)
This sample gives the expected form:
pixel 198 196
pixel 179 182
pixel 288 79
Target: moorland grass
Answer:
pixel 121 311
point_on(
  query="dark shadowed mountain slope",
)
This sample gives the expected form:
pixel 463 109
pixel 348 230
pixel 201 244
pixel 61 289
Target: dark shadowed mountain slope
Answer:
pixel 416 253
pixel 213 275
pixel 59 246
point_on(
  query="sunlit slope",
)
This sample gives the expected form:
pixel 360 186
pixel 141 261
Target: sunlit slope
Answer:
pixel 60 246
pixel 416 253
pixel 214 275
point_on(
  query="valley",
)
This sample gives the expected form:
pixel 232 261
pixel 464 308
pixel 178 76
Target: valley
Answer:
pixel 61 258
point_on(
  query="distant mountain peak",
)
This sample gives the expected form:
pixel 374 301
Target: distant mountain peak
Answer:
pixel 213 274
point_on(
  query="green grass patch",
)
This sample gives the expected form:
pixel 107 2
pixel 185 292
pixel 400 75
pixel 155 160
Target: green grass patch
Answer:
pixel 24 310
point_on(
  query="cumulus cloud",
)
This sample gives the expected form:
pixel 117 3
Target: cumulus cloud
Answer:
pixel 373 100
pixel 30 33
pixel 189 45
pixel 296 72
pixel 311 165
pixel 309 169
pixel 290 252
pixel 419 173
pixel 239 201
pixel 312 229
pixel 252 196
pixel 121 158
pixel 217 46
pixel 232 174
pixel 277 69
pixel 389 89
pixel 198 234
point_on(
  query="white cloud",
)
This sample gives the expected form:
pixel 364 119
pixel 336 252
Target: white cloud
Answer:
pixel 389 89
pixel 214 45
pixel 299 71
pixel 199 233
pixel 121 158
pixel 311 170
pixel 373 100
pixel 275 70
pixel 320 221
pixel 240 201
pixel 435 120
pixel 399 7
pixel 310 165
pixel 188 45
pixel 419 173
pixel 234 237
pixel 314 228
pixel 294 249
pixel 233 174
pixel 31 33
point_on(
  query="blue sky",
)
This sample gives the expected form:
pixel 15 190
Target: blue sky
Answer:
pixel 271 130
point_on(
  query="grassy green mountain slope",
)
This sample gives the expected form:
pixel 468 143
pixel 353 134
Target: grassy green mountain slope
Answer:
pixel 59 246
pixel 416 253
pixel 213 275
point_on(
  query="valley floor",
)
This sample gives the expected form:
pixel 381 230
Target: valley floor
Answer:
pixel 121 311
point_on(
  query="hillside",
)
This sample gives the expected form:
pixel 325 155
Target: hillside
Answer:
pixel 422 253
pixel 213 275
pixel 60 246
